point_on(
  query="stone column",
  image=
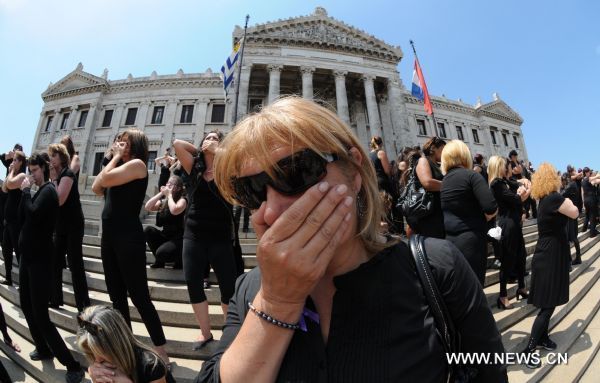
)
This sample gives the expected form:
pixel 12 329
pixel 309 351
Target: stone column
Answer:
pixel 398 112
pixel 274 81
pixel 242 109
pixel 389 138
pixel 38 131
pixel 341 96
pixel 169 122
pixel 55 125
pixel 142 115
pixel 88 135
pixel 116 121
pixel 201 107
pixel 307 82
pixel 71 123
pixel 372 109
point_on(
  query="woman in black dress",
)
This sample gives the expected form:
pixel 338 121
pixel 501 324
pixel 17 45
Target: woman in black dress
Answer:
pixel 381 163
pixel 12 226
pixel 39 217
pixel 430 176
pixel 551 259
pixel 512 245
pixel 123 182
pixel 590 201
pixel 468 204
pixel 569 191
pixel 209 231
pixel 68 234
pixel 170 203
pixel 75 162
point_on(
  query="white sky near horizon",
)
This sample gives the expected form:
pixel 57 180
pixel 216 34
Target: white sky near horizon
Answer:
pixel 542 58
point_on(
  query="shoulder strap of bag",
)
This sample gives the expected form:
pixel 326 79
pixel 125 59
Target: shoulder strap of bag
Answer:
pixel 435 299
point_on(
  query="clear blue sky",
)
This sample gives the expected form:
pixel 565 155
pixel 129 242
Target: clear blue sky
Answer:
pixel 543 58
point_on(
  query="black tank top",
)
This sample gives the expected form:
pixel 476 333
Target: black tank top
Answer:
pixel 70 212
pixel 123 203
pixel 383 181
pixel 11 207
pixel 208 216
pixel 172 224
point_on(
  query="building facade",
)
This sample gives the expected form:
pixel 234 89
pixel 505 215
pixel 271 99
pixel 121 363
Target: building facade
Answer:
pixel 315 56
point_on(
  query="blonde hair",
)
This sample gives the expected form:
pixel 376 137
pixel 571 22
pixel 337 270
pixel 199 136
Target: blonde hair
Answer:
pixel 300 123
pixel 61 150
pixel 496 167
pixel 113 340
pixel 456 154
pixel 544 181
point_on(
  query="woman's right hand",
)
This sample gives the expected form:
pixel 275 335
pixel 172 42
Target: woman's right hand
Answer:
pixel 102 372
pixel 295 251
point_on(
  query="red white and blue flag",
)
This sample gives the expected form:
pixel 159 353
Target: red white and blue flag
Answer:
pixel 419 88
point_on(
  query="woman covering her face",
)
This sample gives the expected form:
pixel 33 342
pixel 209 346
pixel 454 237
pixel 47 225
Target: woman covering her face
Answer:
pixel 331 300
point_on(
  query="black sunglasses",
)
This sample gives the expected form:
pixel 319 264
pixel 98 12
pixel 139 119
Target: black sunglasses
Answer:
pixel 297 173
pixel 90 327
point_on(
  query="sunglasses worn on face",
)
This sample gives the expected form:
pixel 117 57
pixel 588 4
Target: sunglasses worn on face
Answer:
pixel 90 327
pixel 298 172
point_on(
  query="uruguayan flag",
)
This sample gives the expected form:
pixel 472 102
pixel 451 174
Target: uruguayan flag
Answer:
pixel 228 69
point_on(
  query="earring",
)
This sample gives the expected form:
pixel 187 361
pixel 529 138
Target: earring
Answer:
pixel 361 205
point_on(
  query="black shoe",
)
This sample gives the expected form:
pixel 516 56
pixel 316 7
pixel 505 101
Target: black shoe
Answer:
pixel 157 265
pixel 75 376
pixel 532 358
pixel 577 261
pixel 548 344
pixel 502 306
pixel 36 355
pixel 54 305
pixel 522 294
pixel 178 266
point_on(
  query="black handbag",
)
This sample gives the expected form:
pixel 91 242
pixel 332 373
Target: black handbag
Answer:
pixel 457 373
pixel 415 202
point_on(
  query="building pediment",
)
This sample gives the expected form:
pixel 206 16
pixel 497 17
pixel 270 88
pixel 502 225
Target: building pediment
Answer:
pixel 319 31
pixel 76 82
pixel 499 109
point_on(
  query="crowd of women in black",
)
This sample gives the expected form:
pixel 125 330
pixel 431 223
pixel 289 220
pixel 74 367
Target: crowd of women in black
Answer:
pixel 465 199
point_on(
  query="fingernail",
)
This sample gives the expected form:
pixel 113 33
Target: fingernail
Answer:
pixel 347 217
pixel 348 201
pixel 323 186
pixel 341 189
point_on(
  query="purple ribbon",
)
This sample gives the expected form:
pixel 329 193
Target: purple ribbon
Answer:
pixel 310 315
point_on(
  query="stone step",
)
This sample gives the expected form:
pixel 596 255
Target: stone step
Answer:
pixel 566 325
pixel 51 371
pixel 592 372
pixel 15 371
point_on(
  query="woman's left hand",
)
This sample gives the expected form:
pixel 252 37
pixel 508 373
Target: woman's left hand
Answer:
pixel 210 146
pixel 26 183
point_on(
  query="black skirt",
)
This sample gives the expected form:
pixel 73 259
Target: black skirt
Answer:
pixel 550 273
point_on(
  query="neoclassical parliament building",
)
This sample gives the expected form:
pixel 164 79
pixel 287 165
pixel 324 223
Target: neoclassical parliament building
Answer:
pixel 315 56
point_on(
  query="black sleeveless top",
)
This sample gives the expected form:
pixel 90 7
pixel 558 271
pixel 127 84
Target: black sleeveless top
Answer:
pixel 383 181
pixel 123 203
pixel 70 213
pixel 11 207
pixel 172 224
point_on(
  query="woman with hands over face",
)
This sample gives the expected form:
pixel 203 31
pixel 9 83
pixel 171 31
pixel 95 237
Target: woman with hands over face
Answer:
pixel 123 245
pixel 331 300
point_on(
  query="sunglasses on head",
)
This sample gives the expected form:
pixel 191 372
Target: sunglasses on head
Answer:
pixel 90 327
pixel 296 174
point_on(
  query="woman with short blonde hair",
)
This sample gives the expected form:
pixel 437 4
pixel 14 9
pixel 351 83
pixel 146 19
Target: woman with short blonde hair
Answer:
pixel 467 204
pixel 316 212
pixel 551 258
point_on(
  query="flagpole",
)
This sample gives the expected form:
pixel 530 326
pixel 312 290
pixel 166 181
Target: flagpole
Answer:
pixel 237 86
pixel 412 44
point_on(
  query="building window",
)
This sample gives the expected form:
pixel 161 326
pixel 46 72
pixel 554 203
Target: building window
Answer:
pixel 255 105
pixel 516 142
pixel 131 114
pixel 187 112
pixel 98 157
pixel 82 118
pixel 157 115
pixel 151 165
pixel 459 133
pixel 49 123
pixel 475 136
pixel 422 127
pixel 493 134
pixel 441 129
pixel 65 119
pixel 107 118
pixel 218 113
pixel 504 138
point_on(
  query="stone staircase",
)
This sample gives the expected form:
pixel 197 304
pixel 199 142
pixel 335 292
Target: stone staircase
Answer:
pixel 574 326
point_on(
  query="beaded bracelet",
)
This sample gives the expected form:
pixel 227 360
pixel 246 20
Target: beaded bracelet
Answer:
pixel 270 319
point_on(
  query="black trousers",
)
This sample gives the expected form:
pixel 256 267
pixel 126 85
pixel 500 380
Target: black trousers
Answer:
pixel 539 330
pixel 591 216
pixel 197 255
pixel 69 243
pixel 237 212
pixel 10 243
pixel 473 246
pixel 530 204
pixel 164 248
pixel 514 258
pixel 34 292
pixel 3 197
pixel 123 252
